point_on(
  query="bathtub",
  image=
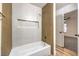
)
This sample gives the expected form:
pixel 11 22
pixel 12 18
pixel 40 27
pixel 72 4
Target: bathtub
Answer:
pixel 33 49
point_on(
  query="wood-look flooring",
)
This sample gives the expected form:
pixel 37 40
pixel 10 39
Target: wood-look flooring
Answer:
pixel 64 52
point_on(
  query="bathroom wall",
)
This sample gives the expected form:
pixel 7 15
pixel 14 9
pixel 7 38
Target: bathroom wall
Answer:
pixel 71 24
pixel 60 28
pixel 47 25
pixel 0 26
pixel 24 32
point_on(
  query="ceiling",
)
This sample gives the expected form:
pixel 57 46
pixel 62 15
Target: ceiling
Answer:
pixel 60 5
pixel 41 5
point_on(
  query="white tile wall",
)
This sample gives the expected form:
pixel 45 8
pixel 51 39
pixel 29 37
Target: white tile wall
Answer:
pixel 25 32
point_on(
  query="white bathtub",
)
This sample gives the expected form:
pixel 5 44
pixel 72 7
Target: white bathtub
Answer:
pixel 32 49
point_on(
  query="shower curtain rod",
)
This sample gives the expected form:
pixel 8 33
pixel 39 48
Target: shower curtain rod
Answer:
pixel 2 14
pixel 27 20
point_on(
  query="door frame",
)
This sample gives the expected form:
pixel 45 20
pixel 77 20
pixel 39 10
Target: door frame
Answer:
pixel 78 30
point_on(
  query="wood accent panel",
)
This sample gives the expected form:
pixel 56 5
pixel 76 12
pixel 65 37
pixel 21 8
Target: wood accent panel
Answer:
pixel 71 43
pixel 6 44
pixel 47 24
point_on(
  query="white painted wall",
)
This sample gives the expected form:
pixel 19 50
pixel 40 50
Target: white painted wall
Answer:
pixel 67 8
pixel 0 26
pixel 60 28
pixel 25 32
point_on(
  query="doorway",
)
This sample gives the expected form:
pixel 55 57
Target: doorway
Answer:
pixel 66 31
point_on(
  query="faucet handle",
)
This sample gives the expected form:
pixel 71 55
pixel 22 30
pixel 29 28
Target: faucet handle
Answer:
pixel 45 37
